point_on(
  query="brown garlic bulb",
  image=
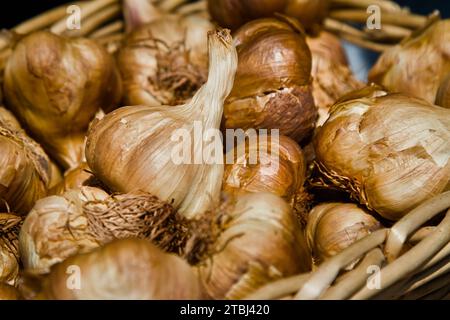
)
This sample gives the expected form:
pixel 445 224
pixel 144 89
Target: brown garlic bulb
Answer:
pixel 272 88
pixel 443 94
pixel 124 269
pixel 233 14
pixel 81 220
pixel 73 179
pixel 332 77
pixel 261 242
pixel 8 292
pixel 390 151
pixel 418 65
pixel 266 164
pixel 25 169
pixel 332 227
pixel 165 61
pixel 133 148
pixel 9 248
pixel 55 85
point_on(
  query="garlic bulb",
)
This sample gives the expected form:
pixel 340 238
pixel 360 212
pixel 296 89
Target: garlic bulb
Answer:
pixel 233 14
pixel 418 65
pixel 332 227
pixel 390 151
pixel 261 242
pixel 25 169
pixel 8 292
pixel 272 89
pixel 266 164
pixel 165 61
pixel 81 220
pixel 136 269
pixel 137 148
pixel 55 85
pixel 443 94
pixel 74 179
pixel 9 248
pixel 332 77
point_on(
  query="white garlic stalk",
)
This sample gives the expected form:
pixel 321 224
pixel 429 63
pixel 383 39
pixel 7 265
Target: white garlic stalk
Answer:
pixel 136 148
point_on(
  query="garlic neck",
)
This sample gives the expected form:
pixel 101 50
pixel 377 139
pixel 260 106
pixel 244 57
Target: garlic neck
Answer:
pixel 138 13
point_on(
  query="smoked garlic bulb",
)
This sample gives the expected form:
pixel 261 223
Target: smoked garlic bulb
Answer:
pixel 138 148
pixel 264 163
pixel 128 269
pixel 262 241
pixel 332 77
pixel 55 86
pixel 332 227
pixel 9 248
pixel 165 61
pixel 232 14
pixel 81 220
pixel 390 151
pixel 272 88
pixel 25 169
pixel 418 65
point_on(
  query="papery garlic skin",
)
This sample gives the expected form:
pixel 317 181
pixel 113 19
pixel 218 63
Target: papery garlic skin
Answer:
pixel 272 88
pixel 391 152
pixel 332 227
pixel 73 179
pixel 8 292
pixel 279 168
pixel 57 228
pixel 332 77
pixel 165 61
pixel 9 248
pixel 443 94
pixel 128 269
pixel 55 85
pixel 132 148
pixel 418 65
pixel 261 242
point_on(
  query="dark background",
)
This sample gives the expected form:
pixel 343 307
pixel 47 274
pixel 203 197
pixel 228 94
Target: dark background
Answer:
pixel 16 11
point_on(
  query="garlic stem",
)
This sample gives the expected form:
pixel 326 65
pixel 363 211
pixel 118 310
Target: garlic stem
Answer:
pixel 388 32
pixel 170 5
pixel 111 38
pixel 109 29
pixel 407 20
pixel 430 287
pixel 94 21
pixel 428 276
pixel 385 5
pixel 278 289
pixel 139 12
pixel 420 235
pixel 87 9
pixel 187 9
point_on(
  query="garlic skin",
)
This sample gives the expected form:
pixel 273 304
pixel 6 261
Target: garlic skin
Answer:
pixel 25 169
pixel 390 151
pixel 332 227
pixel 150 274
pixel 132 148
pixel 165 61
pixel 8 292
pixel 233 14
pixel 55 85
pixel 73 179
pixel 262 242
pixel 418 65
pixel 332 77
pixel 272 88
pixel 280 168
pixel 9 248
pixel 443 94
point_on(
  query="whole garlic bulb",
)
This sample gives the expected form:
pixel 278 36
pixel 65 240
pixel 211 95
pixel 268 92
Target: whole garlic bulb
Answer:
pixel 81 220
pixel 55 86
pixel 266 164
pixel 272 88
pixel 9 248
pixel 233 14
pixel 133 148
pixel 332 77
pixel 165 61
pixel 390 151
pixel 262 241
pixel 418 65
pixel 25 169
pixel 332 227
pixel 124 269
